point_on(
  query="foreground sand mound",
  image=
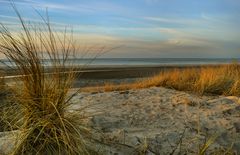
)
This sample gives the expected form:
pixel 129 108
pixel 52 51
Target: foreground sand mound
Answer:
pixel 163 121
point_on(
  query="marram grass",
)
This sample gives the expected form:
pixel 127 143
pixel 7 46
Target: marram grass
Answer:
pixel 218 80
pixel 47 126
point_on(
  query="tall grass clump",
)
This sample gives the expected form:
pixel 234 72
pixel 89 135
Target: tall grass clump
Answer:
pixel 219 80
pixel 47 126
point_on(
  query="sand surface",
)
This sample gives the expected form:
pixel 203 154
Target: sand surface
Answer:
pixel 162 121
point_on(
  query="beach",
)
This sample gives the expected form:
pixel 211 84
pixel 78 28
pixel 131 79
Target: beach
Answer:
pixel 154 120
pixel 163 120
pixel 159 121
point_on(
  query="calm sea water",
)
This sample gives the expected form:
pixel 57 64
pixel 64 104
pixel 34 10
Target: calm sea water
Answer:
pixel 142 61
pixel 154 61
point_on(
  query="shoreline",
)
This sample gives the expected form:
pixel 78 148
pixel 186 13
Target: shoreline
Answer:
pixel 92 76
pixel 115 72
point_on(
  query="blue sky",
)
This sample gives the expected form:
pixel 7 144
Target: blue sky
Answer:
pixel 142 28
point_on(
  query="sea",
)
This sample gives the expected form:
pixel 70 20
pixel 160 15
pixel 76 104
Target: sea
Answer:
pixel 104 64
pixel 125 62
pixel 153 61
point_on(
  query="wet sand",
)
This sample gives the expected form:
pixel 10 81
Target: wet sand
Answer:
pixel 98 75
pixel 108 72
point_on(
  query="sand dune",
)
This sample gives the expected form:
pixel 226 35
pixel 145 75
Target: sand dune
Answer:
pixel 162 116
pixel 160 121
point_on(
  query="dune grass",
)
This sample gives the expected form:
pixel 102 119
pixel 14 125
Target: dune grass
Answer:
pixel 2 84
pixel 7 107
pixel 219 80
pixel 47 126
pixel 2 101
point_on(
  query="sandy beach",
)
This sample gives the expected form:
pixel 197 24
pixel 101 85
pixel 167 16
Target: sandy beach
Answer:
pixel 159 121
pixel 165 121
pixel 153 120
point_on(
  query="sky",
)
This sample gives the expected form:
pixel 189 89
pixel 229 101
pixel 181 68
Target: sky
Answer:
pixel 141 28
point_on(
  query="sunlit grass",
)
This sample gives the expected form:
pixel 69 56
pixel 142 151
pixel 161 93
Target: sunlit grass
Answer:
pixel 220 80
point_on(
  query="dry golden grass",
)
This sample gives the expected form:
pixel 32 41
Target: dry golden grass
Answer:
pixel 2 101
pixel 7 107
pixel 2 84
pixel 47 126
pixel 221 80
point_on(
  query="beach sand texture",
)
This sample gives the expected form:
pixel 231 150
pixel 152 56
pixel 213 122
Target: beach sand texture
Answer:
pixel 161 121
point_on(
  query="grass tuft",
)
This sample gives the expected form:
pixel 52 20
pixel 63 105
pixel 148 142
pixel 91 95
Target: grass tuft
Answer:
pixel 47 126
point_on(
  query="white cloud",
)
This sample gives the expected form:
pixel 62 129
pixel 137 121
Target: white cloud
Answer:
pixel 177 20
